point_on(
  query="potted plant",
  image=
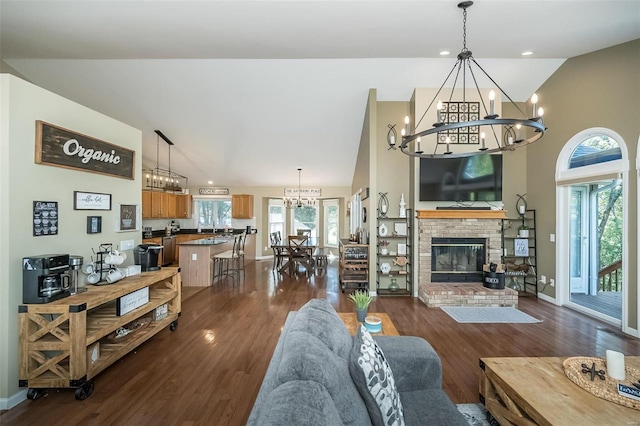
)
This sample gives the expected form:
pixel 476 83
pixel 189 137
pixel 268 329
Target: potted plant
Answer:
pixel 523 231
pixel 383 247
pixel 362 299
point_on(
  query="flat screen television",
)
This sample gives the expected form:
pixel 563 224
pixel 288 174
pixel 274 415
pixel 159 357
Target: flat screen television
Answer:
pixel 474 178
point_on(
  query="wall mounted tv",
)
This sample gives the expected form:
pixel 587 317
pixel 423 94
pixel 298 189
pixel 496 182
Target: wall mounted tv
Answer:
pixel 474 178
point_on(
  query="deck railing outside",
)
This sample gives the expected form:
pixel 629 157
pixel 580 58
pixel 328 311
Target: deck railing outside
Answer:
pixel 610 277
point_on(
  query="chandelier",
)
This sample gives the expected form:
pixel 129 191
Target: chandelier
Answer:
pixel 468 122
pixel 299 201
pixel 164 179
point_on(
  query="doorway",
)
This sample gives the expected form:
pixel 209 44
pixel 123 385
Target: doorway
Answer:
pixel 595 258
pixel 591 176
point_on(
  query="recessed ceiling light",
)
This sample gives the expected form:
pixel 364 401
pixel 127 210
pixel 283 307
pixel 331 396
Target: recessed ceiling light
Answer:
pixel 527 53
pixel 210 182
pixel 445 53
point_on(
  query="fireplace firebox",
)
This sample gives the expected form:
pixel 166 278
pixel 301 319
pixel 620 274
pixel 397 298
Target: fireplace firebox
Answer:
pixel 457 260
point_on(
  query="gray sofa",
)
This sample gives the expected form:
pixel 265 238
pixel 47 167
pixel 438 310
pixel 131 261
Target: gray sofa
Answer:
pixel 308 380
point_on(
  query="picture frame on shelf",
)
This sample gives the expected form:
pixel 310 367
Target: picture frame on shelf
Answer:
pixel 402 249
pixel 521 247
pixel 400 229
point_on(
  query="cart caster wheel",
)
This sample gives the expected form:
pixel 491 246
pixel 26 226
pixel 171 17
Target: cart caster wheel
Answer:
pixel 173 326
pixel 84 391
pixel 34 394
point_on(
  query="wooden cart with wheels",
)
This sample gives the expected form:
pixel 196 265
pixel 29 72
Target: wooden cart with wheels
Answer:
pixel 66 343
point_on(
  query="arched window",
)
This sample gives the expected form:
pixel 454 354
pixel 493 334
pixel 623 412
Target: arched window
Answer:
pixel 596 149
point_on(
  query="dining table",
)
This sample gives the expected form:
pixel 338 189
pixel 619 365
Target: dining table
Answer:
pixel 309 245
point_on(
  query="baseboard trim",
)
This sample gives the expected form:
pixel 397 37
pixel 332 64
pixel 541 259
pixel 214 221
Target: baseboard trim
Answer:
pixel 13 400
pixel 546 298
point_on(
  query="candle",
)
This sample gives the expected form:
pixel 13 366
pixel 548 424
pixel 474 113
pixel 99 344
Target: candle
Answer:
pixel 540 114
pixel 418 144
pixel 615 365
pixel 448 141
pixel 439 108
pixel 492 97
pixel 510 140
pixel 482 137
pixel 534 101
pixel 406 123
pixel 518 127
pixel 521 209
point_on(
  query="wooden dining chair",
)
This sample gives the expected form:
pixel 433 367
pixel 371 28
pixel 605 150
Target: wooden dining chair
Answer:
pixel 299 253
pixel 279 253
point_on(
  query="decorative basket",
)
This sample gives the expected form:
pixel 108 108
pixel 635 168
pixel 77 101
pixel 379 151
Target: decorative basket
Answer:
pixel 606 389
pixel 126 331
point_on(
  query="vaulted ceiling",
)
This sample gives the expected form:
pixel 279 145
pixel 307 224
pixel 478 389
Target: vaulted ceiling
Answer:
pixel 250 90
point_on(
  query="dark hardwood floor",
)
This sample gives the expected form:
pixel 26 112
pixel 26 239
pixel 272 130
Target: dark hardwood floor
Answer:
pixel 210 369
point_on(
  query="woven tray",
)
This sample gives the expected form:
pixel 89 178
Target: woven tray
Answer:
pixel 605 389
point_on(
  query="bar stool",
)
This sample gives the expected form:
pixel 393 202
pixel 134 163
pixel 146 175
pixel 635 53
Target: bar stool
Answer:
pixel 228 262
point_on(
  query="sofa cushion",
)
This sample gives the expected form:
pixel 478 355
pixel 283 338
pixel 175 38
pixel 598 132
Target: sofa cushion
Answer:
pixel 374 379
pixel 318 318
pixel 299 402
pixel 430 407
pixel 305 357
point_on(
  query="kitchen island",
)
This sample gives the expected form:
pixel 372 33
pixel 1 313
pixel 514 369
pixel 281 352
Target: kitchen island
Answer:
pixel 195 257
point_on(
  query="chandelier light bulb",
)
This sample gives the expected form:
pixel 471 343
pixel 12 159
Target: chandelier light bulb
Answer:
pixel 439 109
pixel 518 127
pixel 406 124
pixel 534 101
pixel 540 112
pixel 403 132
pixel 482 139
pixel 492 99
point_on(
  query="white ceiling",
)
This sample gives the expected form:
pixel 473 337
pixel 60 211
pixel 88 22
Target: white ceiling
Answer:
pixel 250 90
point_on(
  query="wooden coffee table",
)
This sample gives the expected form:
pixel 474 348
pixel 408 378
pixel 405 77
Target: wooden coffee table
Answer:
pixel 530 391
pixel 351 321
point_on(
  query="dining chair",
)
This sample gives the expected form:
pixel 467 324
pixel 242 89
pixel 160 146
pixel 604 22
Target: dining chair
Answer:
pixel 279 252
pixel 299 253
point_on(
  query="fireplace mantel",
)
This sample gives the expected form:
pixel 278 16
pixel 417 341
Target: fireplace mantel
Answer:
pixel 461 214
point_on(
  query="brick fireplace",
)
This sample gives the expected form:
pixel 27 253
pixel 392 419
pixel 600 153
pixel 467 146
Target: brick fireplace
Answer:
pixel 482 228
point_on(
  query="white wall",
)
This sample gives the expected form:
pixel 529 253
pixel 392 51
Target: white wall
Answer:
pixel 22 181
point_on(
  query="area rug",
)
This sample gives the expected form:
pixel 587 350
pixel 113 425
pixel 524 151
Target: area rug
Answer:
pixel 488 315
pixel 476 415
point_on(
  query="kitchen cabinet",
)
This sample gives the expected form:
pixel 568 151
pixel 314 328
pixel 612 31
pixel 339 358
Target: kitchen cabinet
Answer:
pixel 165 205
pixel 183 206
pixel 242 206
pixel 146 205
pixel 66 343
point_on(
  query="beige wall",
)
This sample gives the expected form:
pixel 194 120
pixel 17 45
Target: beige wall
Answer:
pixel 22 181
pixel 599 89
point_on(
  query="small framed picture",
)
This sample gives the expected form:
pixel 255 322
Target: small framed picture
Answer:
pixel 94 224
pixel 128 217
pixel 400 228
pixel 402 249
pixel 91 201
pixel 521 247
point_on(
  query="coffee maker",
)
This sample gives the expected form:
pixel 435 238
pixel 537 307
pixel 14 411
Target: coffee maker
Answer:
pixel 45 278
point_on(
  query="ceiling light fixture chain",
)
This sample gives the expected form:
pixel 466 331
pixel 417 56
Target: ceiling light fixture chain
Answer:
pixel 164 179
pixel 463 122
pixel 299 201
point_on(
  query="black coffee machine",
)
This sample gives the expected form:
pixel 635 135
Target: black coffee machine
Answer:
pixel 146 255
pixel 45 278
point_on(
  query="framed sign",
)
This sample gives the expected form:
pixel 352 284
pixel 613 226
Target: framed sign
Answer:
pixel 91 201
pixel 400 228
pixel 128 218
pixel 45 218
pixel 521 247
pixel 131 301
pixel 94 224
pixel 56 146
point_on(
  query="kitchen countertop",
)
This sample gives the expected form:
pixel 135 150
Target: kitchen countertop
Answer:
pixel 205 232
pixel 205 242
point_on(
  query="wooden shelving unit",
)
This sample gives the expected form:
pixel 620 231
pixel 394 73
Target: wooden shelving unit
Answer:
pixel 56 338
pixel 354 265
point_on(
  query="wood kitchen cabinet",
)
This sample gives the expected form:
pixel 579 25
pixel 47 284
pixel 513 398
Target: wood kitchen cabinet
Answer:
pixel 242 206
pixel 183 206
pixel 146 204
pixel 156 205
